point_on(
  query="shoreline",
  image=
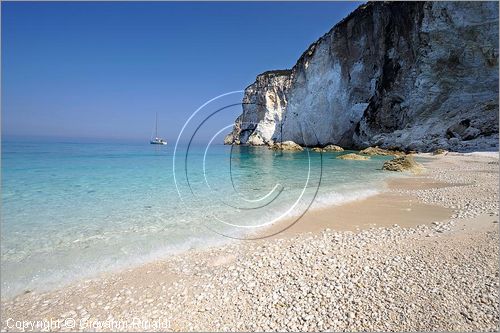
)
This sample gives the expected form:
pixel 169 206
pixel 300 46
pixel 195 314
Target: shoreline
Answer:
pixel 371 212
pixel 306 224
pixel 47 283
pixel 414 209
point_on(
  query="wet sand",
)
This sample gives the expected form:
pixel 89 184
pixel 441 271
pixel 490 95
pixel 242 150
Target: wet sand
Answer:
pixel 382 210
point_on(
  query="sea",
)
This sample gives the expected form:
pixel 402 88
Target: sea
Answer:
pixel 72 209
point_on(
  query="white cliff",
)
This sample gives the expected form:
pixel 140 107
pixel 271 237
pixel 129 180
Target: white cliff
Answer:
pixel 413 75
pixel 264 104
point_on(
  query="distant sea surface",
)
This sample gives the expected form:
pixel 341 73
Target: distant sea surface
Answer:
pixel 72 209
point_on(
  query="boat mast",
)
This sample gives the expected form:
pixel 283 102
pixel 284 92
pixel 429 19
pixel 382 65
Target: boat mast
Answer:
pixel 156 126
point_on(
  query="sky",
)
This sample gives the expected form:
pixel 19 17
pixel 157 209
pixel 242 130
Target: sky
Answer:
pixel 104 69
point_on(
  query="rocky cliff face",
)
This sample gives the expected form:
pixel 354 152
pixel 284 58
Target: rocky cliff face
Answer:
pixel 264 104
pixel 413 75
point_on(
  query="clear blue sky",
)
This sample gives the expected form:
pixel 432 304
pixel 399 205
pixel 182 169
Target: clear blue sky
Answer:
pixel 102 70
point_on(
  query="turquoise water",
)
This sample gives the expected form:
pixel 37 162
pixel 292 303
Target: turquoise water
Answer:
pixel 71 210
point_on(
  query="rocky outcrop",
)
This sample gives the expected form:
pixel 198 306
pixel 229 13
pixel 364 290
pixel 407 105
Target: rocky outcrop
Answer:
pixel 286 146
pixel 264 105
pixel 355 157
pixel 403 163
pixel 413 75
pixel 329 148
pixel 439 151
pixel 379 151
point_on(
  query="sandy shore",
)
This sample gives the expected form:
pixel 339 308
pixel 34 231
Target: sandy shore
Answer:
pixel 422 256
pixel 383 210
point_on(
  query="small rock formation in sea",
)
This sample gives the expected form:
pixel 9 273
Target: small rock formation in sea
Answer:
pixel 403 163
pixel 355 157
pixel 329 148
pixel 379 151
pixel 286 146
pixel 413 75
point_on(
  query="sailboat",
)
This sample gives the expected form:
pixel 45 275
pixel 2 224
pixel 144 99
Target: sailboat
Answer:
pixel 157 140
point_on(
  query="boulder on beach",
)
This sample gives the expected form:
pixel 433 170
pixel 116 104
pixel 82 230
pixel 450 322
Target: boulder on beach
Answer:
pixel 379 151
pixel 439 151
pixel 329 148
pixel 403 163
pixel 286 146
pixel 355 157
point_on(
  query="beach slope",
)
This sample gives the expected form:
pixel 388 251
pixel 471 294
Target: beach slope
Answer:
pixel 439 272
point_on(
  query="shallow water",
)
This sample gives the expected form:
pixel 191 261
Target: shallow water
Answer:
pixel 71 210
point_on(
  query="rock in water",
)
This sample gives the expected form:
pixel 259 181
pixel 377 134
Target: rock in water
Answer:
pixel 416 75
pixel 353 157
pixel 329 148
pixel 379 151
pixel 333 148
pixel 403 163
pixel 286 146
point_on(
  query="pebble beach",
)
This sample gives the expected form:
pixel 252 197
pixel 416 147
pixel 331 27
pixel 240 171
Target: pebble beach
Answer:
pixel 441 275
